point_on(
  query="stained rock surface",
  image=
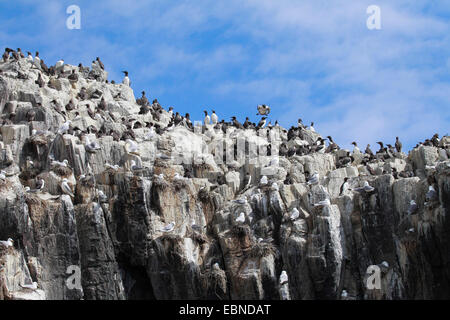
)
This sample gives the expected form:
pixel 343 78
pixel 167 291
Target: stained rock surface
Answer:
pixel 115 226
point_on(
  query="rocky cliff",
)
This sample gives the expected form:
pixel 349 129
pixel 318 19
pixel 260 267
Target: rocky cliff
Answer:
pixel 156 207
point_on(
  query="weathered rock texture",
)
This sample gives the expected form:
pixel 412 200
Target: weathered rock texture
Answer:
pixel 117 241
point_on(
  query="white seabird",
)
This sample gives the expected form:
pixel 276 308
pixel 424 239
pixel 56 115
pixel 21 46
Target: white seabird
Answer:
pixel 59 64
pixel 385 264
pixel 207 119
pixel 295 214
pixel 32 286
pixel 241 218
pixel 263 180
pixel 314 179
pixel 63 129
pixel 283 277
pixel 325 202
pixel 431 194
pixel 66 188
pixel 168 227
pixel 241 201
pixel 134 166
pixel 412 207
pixel 311 127
pixel 2 175
pixel 112 167
pixel 126 80
pixel 367 187
pixel 131 147
pixel 274 186
pixel 91 146
pixel 344 294
pixel 214 117
pixel 8 243
pixel 101 196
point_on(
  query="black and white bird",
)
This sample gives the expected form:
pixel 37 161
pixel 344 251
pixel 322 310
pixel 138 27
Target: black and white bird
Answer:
pixel 412 207
pixel 66 188
pixel 214 117
pixel 431 194
pixel 263 110
pixel 241 218
pixel 367 187
pixel 91 146
pixel 6 244
pixel 283 277
pixel 169 227
pixel 398 145
pixel 261 123
pixel 126 80
pixel 207 119
pixel 314 178
pixel 295 214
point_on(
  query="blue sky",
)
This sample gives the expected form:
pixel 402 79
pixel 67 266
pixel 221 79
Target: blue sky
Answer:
pixel 312 59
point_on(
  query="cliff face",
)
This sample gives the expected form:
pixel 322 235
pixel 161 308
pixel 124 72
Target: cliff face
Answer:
pixel 116 239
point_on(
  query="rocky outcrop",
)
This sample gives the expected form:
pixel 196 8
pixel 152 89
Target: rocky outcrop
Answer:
pixel 232 234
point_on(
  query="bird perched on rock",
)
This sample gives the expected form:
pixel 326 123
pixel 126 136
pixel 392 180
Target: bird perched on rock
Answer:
pixel 73 76
pixel 100 63
pixel 369 151
pixel 311 127
pixel 126 80
pixel 7 244
pixel 40 82
pixel 398 145
pixel 412 207
pixel 355 148
pixel 32 286
pixel 431 194
pixel 207 119
pixel 322 203
pixel 261 123
pixel 367 187
pixel 37 60
pixel 314 179
pixel 344 187
pixel 31 115
pixel 263 180
pixel 131 147
pixel 169 227
pixel 91 146
pixel 236 123
pixel 283 277
pixel 214 117
pixel 241 218
pixel 295 214
pixel 263 110
pixel 66 188
pixel 59 64
pixel 40 184
pixel 65 127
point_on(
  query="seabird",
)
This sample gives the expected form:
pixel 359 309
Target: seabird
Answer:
pixel 207 119
pixel 355 148
pixel 59 64
pixel 236 123
pixel 311 127
pixel 65 127
pixel 241 201
pixel 91 146
pixel 8 243
pixel 66 188
pixel 134 166
pixel 40 184
pixel 314 179
pixel 398 145
pixel 368 150
pixel 344 294
pixel 241 218
pixel 283 277
pixel 295 214
pixel 32 286
pixel 73 76
pixel 169 227
pixel 214 117
pixel 37 60
pixel 261 123
pixel 385 264
pixel 367 188
pixel 100 63
pixel 412 207
pixel 263 180
pixel 126 80
pixel 322 203
pixel 344 187
pixel 431 194
pixel 131 147
pixel 263 110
